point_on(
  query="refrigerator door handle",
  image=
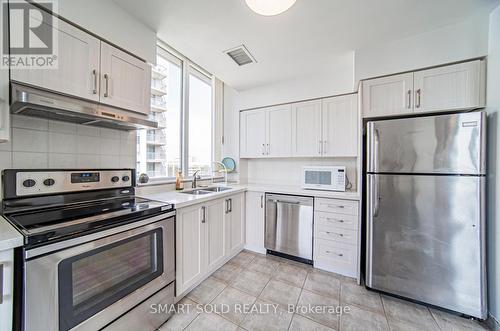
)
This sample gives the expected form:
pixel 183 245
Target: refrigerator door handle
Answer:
pixel 369 231
pixel 375 197
pixel 376 143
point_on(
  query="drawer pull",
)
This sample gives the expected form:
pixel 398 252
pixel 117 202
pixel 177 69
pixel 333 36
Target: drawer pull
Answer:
pixel 336 206
pixel 329 252
pixel 334 219
pixel 338 234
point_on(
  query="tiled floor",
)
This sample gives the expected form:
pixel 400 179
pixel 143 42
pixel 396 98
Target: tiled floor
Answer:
pixel 253 292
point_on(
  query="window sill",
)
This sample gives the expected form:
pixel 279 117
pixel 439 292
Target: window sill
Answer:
pixel 166 181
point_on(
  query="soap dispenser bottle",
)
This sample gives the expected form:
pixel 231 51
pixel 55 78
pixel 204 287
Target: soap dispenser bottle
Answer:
pixel 179 181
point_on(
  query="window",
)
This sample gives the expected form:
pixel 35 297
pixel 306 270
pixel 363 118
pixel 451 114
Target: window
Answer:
pixel 181 103
pixel 200 123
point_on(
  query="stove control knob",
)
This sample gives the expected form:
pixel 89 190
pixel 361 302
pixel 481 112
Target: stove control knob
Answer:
pixel 49 182
pixel 125 178
pixel 114 179
pixel 29 183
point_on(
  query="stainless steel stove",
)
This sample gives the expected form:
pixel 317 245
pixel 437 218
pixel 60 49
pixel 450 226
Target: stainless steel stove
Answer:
pixel 95 256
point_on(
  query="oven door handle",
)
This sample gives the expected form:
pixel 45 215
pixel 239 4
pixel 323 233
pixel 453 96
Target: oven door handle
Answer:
pixel 131 229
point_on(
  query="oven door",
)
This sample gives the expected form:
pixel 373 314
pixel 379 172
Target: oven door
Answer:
pixel 86 287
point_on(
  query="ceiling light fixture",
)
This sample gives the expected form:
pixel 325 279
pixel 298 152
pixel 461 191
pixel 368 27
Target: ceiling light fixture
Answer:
pixel 269 7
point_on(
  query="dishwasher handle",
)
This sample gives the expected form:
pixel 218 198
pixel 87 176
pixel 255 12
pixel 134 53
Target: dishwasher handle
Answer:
pixel 289 199
pixel 287 202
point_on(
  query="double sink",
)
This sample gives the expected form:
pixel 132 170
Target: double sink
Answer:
pixel 207 190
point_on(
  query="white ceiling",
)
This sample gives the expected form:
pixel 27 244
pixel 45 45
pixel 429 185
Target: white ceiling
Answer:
pixel 302 41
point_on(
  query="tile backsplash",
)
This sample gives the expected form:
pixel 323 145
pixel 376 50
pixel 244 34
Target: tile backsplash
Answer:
pixel 43 143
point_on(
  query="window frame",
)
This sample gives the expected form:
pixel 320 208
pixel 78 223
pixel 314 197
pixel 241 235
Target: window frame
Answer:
pixel 188 67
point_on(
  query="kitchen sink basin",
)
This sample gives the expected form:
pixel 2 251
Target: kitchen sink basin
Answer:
pixel 197 192
pixel 207 190
pixel 216 189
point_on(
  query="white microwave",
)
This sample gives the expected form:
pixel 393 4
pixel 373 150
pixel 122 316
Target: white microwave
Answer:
pixel 331 178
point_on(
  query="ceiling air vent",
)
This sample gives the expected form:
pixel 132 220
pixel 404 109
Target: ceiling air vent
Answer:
pixel 240 55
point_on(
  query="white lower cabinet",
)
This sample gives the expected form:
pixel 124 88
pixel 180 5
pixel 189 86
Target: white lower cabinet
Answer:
pixel 207 235
pixel 214 222
pixel 190 247
pixel 254 222
pixel 235 223
pixel 336 236
pixel 6 289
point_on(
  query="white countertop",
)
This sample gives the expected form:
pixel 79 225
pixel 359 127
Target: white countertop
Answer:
pixel 9 236
pixel 296 190
pixel 181 200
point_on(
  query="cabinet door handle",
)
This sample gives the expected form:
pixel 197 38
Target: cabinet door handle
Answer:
pixel 419 92
pixel 263 149
pixel 319 147
pixel 106 91
pixel 94 73
pixel 261 201
pixel 230 205
pixel 1 284
pixel 203 214
pixel 409 99
pixel 227 206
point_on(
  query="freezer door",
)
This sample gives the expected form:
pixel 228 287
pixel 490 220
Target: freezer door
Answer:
pixel 426 240
pixel 446 144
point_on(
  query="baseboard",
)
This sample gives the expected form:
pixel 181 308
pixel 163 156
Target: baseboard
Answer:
pixel 493 323
pixel 256 249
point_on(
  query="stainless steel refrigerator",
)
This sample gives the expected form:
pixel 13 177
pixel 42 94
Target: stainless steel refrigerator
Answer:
pixel 425 210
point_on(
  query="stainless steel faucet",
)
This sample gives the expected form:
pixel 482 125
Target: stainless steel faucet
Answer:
pixel 194 184
pixel 224 170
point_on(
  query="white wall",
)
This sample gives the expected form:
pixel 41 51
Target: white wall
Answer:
pixel 493 102
pixel 231 134
pixel 111 22
pixel 464 40
pixel 336 79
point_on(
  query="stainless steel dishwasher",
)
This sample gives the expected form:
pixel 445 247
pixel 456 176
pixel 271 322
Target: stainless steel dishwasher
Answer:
pixel 289 226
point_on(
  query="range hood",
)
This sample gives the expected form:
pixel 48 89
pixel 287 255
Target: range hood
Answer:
pixel 30 101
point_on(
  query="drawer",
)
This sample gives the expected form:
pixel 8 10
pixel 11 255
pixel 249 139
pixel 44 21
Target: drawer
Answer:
pixel 336 257
pixel 336 206
pixel 339 235
pixel 342 221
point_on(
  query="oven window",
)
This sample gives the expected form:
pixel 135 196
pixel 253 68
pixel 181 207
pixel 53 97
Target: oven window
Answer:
pixel 90 282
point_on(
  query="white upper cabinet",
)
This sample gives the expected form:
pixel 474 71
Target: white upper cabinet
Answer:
pixel 77 70
pixel 388 95
pixel 125 80
pixel 279 131
pixel 340 126
pixel 306 128
pixel 89 68
pixel 452 87
pixel 253 133
pixel 318 128
pixel 456 86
